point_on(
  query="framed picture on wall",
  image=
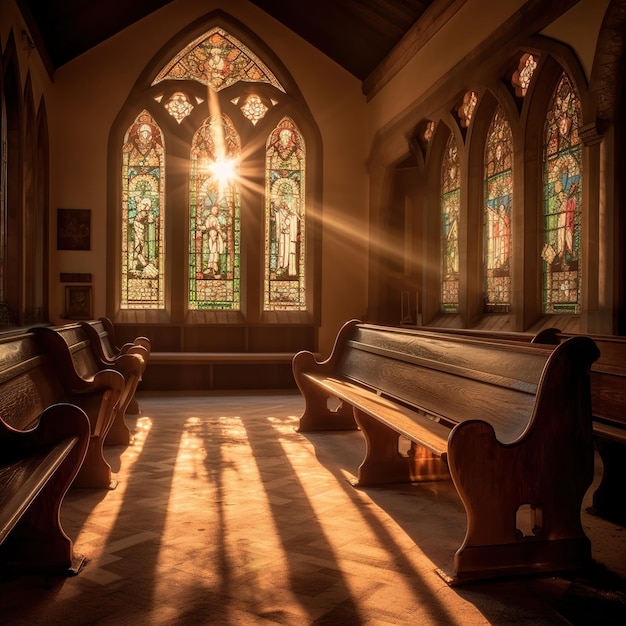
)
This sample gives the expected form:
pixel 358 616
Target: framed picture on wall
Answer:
pixel 77 302
pixel 73 229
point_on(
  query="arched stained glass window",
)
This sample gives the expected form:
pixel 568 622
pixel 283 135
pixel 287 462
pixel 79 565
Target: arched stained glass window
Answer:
pixel 284 219
pixel 562 196
pixel 497 214
pixel 214 207
pixel 218 102
pixel 450 210
pixel 143 193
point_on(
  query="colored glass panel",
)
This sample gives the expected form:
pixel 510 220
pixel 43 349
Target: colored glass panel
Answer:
pixel 254 109
pixel 524 74
pixel 450 210
pixel 285 161
pixel 498 214
pixel 214 207
pixel 467 107
pixel 562 200
pixel 178 106
pixel 143 193
pixel 218 60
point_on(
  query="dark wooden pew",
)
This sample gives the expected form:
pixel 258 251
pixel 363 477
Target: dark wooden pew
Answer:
pixel 608 407
pixel 37 467
pixel 105 327
pixel 608 402
pixel 73 341
pixel 101 333
pixel 509 422
pixel 29 368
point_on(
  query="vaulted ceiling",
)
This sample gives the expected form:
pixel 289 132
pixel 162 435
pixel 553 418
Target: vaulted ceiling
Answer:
pixel 357 34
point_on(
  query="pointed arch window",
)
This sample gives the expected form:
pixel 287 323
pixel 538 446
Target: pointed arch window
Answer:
pixel 450 210
pixel 214 209
pixel 498 172
pixel 285 163
pixel 562 179
pixel 233 248
pixel 143 214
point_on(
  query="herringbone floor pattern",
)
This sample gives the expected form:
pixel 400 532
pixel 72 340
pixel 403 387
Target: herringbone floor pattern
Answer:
pixel 224 514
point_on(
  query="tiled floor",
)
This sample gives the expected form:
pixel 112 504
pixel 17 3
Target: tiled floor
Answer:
pixel 225 515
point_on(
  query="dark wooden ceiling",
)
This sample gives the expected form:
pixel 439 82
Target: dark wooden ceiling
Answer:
pixel 357 34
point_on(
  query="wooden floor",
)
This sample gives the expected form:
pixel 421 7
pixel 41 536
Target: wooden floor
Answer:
pixel 225 515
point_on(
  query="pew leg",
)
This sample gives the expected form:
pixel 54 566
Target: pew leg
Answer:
pixel 383 462
pixel 608 499
pixel 95 472
pixel 119 434
pixel 319 416
pixel 133 407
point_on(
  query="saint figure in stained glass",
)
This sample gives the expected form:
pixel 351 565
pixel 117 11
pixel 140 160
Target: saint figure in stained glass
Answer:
pixel 562 196
pixel 214 279
pixel 497 214
pixel 284 219
pixel 450 210
pixel 143 168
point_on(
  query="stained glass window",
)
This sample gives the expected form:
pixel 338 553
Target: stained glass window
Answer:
pixel 561 206
pixel 178 106
pixel 211 275
pixel 450 210
pixel 429 130
pixel 254 109
pixel 218 60
pixel 143 193
pixel 523 74
pixel 214 207
pixel 467 107
pixel 285 162
pixel 497 214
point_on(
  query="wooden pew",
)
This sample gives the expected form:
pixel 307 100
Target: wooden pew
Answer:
pixel 510 423
pixel 73 341
pixel 29 367
pixel 608 404
pixel 106 329
pixel 102 335
pixel 608 407
pixel 37 467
